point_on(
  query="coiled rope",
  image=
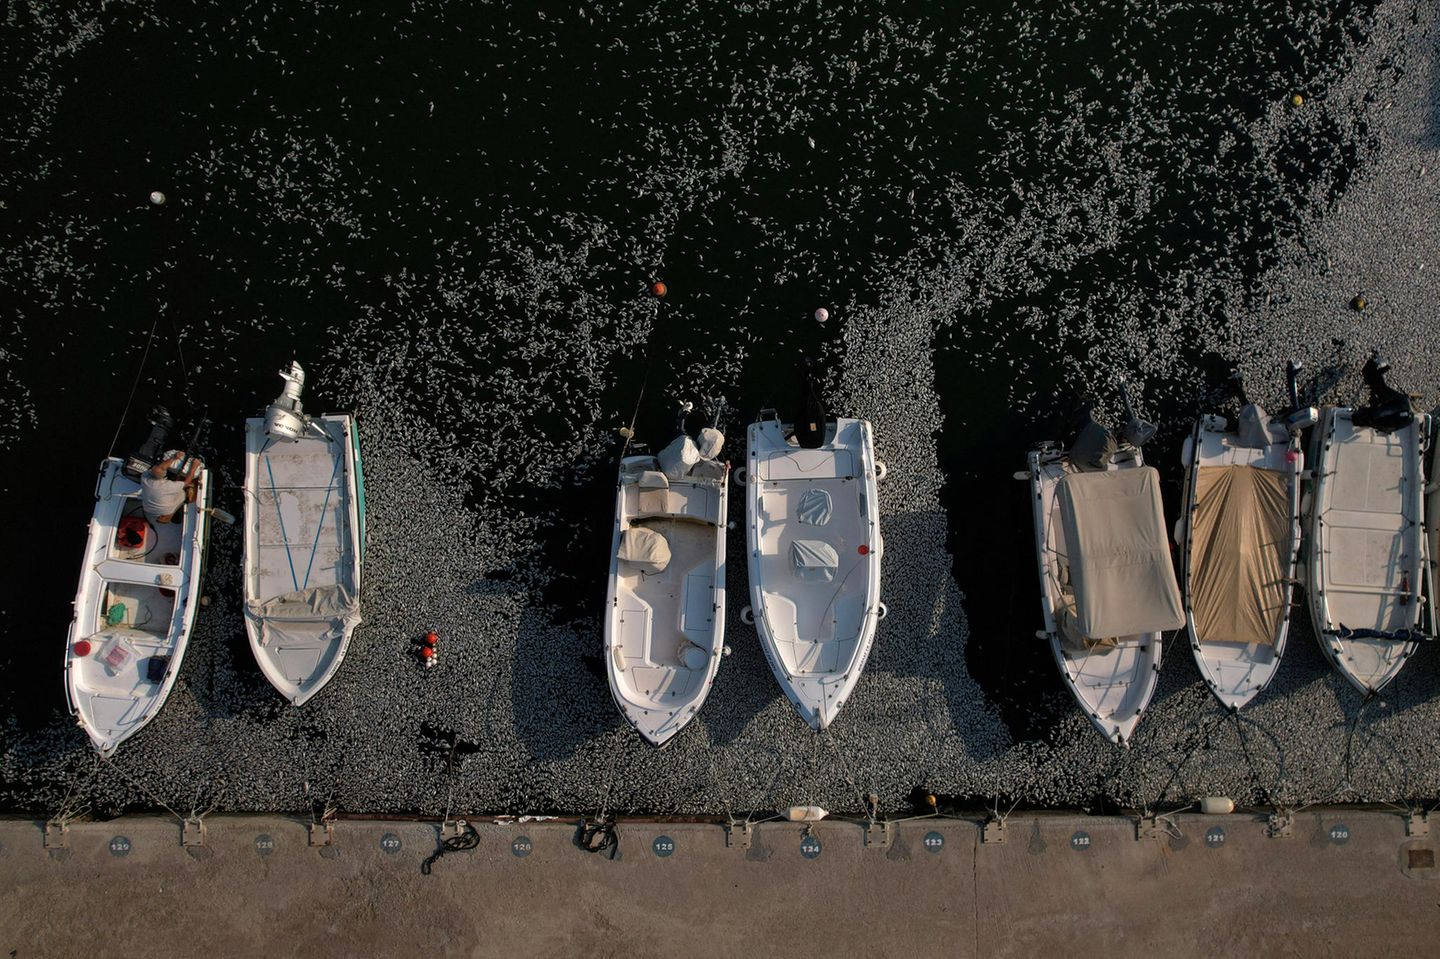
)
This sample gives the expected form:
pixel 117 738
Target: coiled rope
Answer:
pixel 467 839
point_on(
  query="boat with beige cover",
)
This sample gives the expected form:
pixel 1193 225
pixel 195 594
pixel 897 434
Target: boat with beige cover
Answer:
pixel 1239 538
pixel 1108 589
pixel 1367 543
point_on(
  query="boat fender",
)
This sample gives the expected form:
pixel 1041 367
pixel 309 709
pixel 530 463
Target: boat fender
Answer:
pixel 881 611
pixel 806 813
pixel 1217 805
pixel 747 616
pixel 741 476
pixel 881 470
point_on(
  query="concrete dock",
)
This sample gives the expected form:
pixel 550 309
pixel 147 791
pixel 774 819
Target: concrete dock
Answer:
pixel 1345 882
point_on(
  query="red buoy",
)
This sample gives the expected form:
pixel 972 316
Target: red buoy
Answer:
pixel 428 652
pixel 659 288
pixel 82 648
pixel 431 639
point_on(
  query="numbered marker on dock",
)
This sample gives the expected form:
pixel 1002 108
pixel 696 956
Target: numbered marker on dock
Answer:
pixel 663 846
pixel 390 842
pixel 264 845
pixel 120 846
pixel 1214 837
pixel 522 846
pixel 934 842
pixel 1080 841
pixel 1339 834
pixel 810 847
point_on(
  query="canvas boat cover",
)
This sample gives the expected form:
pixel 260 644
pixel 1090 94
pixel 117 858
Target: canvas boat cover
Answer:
pixel 677 458
pixel 815 507
pixel 815 560
pixel 645 549
pixel 318 613
pixel 1239 544
pixel 1253 432
pixel 711 442
pixel 1119 560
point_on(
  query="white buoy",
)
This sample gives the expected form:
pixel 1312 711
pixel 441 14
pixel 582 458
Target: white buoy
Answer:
pixel 157 198
pixel 822 314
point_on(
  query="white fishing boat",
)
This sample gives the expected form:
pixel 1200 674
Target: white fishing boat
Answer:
pixel 813 531
pixel 665 622
pixel 1366 558
pixel 304 541
pixel 1108 589
pixel 139 592
pixel 1239 538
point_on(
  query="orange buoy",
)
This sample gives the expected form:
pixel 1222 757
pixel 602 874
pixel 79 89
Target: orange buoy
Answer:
pixel 431 639
pixel 428 652
pixel 659 288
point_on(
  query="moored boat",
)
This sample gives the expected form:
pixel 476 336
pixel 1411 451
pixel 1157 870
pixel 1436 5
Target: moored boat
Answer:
pixel 815 548
pixel 1366 552
pixel 1239 538
pixel 665 608
pixel 138 595
pixel 304 541
pixel 1108 589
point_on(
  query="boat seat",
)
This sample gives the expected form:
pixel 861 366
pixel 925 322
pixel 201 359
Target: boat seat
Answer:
pixel 802 464
pixel 683 501
pixel 781 617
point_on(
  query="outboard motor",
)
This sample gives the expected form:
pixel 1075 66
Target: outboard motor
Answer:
pixel 1136 431
pixel 1297 417
pixel 1389 409
pixel 285 419
pixel 152 449
pixel 1094 446
pixel 811 420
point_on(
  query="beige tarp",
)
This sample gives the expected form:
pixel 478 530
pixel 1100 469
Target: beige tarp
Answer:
pixel 1119 558
pixel 1239 539
pixel 644 549
pixel 320 613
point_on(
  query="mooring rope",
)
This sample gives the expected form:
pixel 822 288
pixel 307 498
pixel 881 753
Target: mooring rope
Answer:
pixel 134 386
pixel 467 839
pixel 142 787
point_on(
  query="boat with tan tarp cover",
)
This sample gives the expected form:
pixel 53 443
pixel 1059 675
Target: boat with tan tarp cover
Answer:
pixel 1108 587
pixel 1239 536
pixel 1367 538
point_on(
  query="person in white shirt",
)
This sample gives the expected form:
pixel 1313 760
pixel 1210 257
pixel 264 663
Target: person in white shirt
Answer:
pixel 161 496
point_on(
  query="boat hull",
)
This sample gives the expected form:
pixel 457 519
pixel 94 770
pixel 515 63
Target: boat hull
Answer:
pixel 1366 556
pixel 665 630
pixel 137 605
pixel 1114 685
pixel 304 547
pixel 816 632
pixel 1236 672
